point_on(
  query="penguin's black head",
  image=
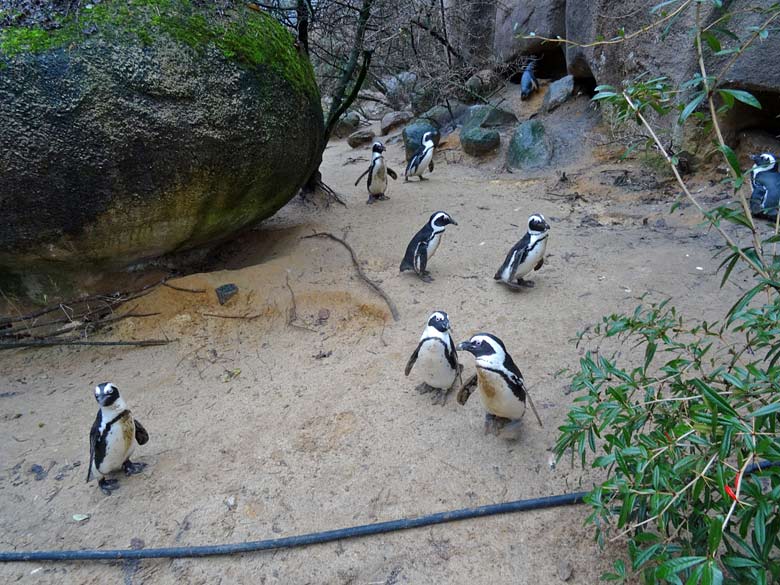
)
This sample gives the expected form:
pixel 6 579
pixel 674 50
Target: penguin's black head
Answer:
pixel 439 321
pixel 487 348
pixel 427 137
pixel 106 394
pixel 537 223
pixel 440 220
pixel 764 161
pixel 378 147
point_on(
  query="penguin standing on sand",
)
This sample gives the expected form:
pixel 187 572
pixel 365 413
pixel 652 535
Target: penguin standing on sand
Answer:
pixel 436 358
pixel 764 176
pixel 526 255
pixel 113 438
pixel 377 175
pixel 500 384
pixel 424 245
pixel 528 82
pixel 422 159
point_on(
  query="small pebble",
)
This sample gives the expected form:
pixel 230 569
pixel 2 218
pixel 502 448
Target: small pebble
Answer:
pixel 564 570
pixel 230 502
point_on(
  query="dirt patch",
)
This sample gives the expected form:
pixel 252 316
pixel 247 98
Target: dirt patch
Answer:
pixel 262 425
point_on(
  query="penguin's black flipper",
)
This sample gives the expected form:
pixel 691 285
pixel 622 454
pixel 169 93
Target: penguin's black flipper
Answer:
pixel 514 378
pixel 94 435
pixel 141 436
pixel 430 166
pixel 413 359
pixel 392 173
pixel 361 176
pixel 467 389
pixel 452 356
pixel 538 266
pixel 422 253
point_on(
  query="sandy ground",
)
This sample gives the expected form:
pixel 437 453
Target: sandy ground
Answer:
pixel 260 428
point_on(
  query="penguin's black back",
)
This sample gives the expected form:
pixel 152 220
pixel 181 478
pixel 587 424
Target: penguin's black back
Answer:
pixel 424 235
pixel 766 195
pixel 522 248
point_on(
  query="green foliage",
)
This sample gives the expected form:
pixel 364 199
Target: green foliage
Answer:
pixel 677 411
pixel 250 37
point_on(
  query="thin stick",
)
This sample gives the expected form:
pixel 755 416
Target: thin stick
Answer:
pixel 182 289
pixel 531 404
pixel 368 281
pixel 53 342
pixel 245 317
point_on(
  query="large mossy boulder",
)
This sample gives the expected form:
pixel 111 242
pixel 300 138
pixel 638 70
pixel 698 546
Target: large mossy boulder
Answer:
pixel 136 130
pixel 413 135
pixel 478 141
pixel 530 147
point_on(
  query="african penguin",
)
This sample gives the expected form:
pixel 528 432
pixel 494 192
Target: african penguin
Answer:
pixel 499 381
pixel 424 244
pixel 422 159
pixel 113 438
pixel 765 178
pixel 526 255
pixel 377 175
pixel 435 358
pixel 528 82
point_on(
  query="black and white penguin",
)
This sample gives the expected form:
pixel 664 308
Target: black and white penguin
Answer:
pixel 765 178
pixel 377 175
pixel 113 438
pixel 526 255
pixel 422 159
pixel 528 82
pixel 436 359
pixel 424 245
pixel 499 381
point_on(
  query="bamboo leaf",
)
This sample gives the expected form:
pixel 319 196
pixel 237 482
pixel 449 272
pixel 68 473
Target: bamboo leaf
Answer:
pixel 742 96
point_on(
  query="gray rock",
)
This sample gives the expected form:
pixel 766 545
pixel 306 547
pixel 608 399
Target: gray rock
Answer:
pixel 413 134
pixel 441 117
pixel 360 137
pixel 488 117
pixel 564 570
pixel 114 150
pixel 520 17
pixel 373 104
pixel 530 147
pixel 481 84
pixel 399 89
pixel 478 141
pixel 558 92
pixel 348 123
pixel 226 292
pixel 393 120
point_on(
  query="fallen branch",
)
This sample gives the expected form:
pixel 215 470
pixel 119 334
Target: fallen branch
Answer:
pixel 53 342
pixel 292 314
pixel 182 289
pixel 366 279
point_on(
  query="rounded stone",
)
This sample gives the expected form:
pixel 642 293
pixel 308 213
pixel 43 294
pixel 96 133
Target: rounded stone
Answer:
pixel 478 141
pixel 131 134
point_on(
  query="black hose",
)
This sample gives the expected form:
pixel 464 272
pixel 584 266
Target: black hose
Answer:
pixel 178 552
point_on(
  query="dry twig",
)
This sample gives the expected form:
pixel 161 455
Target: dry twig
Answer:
pixel 366 279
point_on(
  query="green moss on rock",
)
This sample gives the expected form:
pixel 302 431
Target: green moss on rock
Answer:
pixel 247 36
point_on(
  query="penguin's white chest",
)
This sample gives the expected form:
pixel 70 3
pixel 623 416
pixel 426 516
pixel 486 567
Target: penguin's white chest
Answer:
pixel 497 397
pixel 433 245
pixel 426 160
pixel 378 183
pixel 534 257
pixel 120 444
pixel 432 365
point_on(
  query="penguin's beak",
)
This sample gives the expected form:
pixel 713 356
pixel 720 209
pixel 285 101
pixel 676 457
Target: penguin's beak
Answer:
pixel 546 226
pixel 756 158
pixel 453 222
pixel 466 346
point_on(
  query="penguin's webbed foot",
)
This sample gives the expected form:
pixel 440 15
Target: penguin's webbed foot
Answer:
pixel 440 396
pixel 510 430
pixel 494 424
pixel 133 468
pixel 511 285
pixel 424 388
pixel 370 200
pixel 108 485
pixel 423 178
pixel 426 277
pixel 526 283
pixel 383 197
